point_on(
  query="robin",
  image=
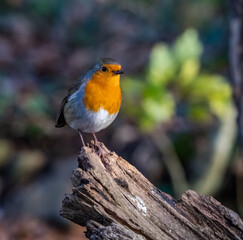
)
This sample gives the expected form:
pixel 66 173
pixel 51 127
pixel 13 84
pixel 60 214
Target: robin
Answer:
pixel 93 102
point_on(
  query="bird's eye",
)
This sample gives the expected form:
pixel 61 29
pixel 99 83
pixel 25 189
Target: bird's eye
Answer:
pixel 104 69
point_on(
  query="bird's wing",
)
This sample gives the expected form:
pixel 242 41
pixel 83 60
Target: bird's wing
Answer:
pixel 75 86
pixel 61 122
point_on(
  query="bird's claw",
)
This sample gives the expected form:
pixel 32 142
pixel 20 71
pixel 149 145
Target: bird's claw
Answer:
pixel 100 151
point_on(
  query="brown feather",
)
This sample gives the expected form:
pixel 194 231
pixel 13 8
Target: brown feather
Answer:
pixel 61 122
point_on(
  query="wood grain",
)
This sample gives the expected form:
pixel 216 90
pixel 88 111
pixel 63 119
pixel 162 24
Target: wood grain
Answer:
pixel 115 201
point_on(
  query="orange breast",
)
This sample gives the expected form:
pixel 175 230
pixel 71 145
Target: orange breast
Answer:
pixel 103 91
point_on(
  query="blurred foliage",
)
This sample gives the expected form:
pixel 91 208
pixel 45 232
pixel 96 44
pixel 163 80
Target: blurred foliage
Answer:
pixel 174 84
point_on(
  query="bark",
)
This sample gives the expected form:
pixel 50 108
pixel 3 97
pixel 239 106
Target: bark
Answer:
pixel 115 201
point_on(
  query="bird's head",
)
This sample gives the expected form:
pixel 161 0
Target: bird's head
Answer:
pixel 106 70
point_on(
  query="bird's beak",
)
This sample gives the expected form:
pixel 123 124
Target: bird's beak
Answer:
pixel 119 72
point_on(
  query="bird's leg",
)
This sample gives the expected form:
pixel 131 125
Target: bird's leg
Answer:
pixel 81 137
pixel 100 150
pixel 96 140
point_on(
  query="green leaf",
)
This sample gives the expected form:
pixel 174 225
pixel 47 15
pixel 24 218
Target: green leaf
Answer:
pixel 161 65
pixel 199 112
pixel 187 47
pixel 159 110
pixel 189 71
pixel 214 90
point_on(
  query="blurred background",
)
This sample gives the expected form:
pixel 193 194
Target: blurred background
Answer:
pixel 177 123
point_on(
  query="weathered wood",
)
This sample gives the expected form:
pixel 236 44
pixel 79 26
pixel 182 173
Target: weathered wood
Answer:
pixel 115 201
pixel 114 231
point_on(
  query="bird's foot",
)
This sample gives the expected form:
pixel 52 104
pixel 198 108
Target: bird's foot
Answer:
pixel 100 152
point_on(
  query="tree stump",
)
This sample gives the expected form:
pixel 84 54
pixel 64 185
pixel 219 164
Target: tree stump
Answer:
pixel 115 201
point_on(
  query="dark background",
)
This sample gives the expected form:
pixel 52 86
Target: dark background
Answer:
pixel 177 121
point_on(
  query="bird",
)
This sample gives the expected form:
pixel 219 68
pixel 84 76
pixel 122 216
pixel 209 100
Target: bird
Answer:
pixel 93 101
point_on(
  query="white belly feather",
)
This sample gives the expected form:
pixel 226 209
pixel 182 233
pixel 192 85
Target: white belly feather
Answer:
pixel 79 118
